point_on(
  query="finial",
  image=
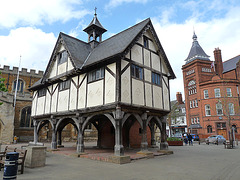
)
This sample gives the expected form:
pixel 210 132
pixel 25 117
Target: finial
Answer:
pixel 95 11
pixel 194 35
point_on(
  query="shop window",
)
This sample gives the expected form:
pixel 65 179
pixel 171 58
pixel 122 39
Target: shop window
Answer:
pixel 26 117
pixel 209 129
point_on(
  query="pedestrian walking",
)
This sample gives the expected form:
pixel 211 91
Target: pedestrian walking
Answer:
pixel 190 139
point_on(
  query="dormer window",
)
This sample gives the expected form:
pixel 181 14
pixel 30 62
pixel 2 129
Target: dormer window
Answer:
pixel 62 57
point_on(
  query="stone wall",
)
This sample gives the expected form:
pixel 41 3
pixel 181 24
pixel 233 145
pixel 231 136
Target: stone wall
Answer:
pixel 6 118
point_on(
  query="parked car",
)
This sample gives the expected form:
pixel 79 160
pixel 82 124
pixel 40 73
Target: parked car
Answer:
pixel 195 137
pixel 216 139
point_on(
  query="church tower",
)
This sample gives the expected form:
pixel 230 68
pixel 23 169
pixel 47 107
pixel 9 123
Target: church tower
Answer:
pixel 95 31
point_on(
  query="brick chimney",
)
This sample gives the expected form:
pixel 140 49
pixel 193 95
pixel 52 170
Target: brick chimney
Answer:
pixel 218 62
pixel 179 98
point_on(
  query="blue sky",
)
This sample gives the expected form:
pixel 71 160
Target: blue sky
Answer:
pixel 30 28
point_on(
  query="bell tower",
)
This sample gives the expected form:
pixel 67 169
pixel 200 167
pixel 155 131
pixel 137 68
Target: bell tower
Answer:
pixel 95 31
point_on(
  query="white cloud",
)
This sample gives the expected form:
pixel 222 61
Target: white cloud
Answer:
pixel 176 40
pixel 34 45
pixel 38 12
pixel 115 3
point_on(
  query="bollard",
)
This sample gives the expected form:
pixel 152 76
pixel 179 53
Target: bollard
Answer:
pixel 11 166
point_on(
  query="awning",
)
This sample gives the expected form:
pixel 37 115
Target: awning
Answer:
pixel 195 126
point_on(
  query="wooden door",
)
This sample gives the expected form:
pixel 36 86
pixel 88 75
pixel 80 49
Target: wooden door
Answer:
pixel 222 132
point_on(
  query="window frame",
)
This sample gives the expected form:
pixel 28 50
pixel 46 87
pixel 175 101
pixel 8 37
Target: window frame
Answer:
pixel 137 72
pixel 20 85
pixel 218 108
pixel 207 109
pixel 232 106
pixel 26 120
pixel 96 75
pixel 62 57
pixel 42 92
pixel 156 79
pixel 209 129
pixel 146 42
pixel 64 85
pixel 217 92
pixel 205 94
pixel 229 93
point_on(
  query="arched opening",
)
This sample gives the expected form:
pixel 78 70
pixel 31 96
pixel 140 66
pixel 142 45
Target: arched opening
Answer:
pixel 104 131
pixel 25 120
pixel 155 126
pixel 44 131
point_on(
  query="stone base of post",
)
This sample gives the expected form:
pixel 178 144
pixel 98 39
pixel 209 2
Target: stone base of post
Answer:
pixel 118 150
pixel 163 146
pixel 144 146
pixel 54 145
pixel 80 148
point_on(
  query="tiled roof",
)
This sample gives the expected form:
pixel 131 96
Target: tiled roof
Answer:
pixel 230 64
pixel 196 51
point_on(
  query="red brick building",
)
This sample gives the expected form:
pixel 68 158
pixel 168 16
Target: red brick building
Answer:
pixel 211 93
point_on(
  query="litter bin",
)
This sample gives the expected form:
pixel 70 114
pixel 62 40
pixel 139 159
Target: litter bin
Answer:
pixel 11 166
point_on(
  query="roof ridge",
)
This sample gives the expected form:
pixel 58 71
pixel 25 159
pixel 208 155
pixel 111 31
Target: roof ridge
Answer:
pixel 126 29
pixel 231 58
pixel 73 37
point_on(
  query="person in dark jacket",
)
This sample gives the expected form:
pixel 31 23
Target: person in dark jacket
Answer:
pixel 190 139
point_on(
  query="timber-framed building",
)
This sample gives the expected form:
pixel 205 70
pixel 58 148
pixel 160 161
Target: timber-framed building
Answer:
pixel 119 85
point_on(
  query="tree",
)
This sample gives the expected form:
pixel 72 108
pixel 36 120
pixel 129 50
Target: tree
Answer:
pixel 2 86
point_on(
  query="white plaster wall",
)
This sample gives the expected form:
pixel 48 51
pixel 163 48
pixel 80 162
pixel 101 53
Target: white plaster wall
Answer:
pixel 112 67
pixel 164 68
pixel 48 101
pixel 110 88
pixel 157 94
pixel 62 68
pixel 148 34
pixel 95 94
pixel 152 46
pixel 146 57
pixel 125 86
pixel 148 94
pixel 70 65
pixel 124 64
pixel 166 97
pixel 137 92
pixel 128 55
pixel 82 92
pixel 136 53
pixel 140 41
pixel 40 105
pixel 63 98
pixel 34 101
pixel 147 75
pixel 54 99
pixel 73 96
pixel 155 62
pixel 53 71
pixel 165 80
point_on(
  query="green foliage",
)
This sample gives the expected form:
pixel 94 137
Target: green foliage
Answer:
pixel 173 139
pixel 2 86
